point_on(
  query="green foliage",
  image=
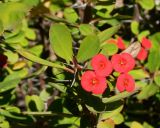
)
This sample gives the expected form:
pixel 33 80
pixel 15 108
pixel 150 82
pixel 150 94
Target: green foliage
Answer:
pixel 89 47
pixel 39 89
pixel 61 41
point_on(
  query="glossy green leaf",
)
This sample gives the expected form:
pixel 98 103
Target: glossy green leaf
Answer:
pixel 36 59
pixel 34 103
pixel 136 124
pixel 110 114
pixel 36 50
pixel 153 65
pixel 86 29
pixel 88 48
pixel 117 97
pixel 144 33
pixel 146 4
pixel 12 57
pixel 11 81
pixel 4 124
pixel 147 91
pixel 70 14
pixel 135 27
pixel 109 49
pixel 138 74
pixel 1 27
pixel 10 115
pixel 106 34
pixel 118 119
pixel 157 79
pixel 61 41
pixel 12 13
pixel 109 123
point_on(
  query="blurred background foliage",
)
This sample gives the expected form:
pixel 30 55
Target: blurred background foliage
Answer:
pixel 38 89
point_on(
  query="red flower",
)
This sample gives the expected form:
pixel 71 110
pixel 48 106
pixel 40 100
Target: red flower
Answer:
pixel 123 62
pixel 101 65
pixel 93 83
pixel 146 43
pixel 125 82
pixel 3 60
pixel 142 55
pixel 120 43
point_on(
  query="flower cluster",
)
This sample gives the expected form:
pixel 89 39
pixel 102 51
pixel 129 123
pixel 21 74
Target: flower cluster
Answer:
pixel 95 80
pixel 143 53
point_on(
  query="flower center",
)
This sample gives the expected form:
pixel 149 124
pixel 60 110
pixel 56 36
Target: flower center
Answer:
pixel 122 62
pixel 125 82
pixel 101 64
pixel 94 81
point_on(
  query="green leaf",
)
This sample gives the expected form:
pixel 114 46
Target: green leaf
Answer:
pixel 88 48
pixel 36 50
pixel 4 124
pixel 86 29
pixel 18 38
pixel 147 91
pixel 70 14
pixel 11 81
pixel 136 124
pixel 30 34
pixel 109 49
pixel 12 13
pixel 157 79
pixel 109 123
pixel 1 27
pixel 36 59
pixel 153 65
pixel 110 114
pixel 139 74
pixel 146 4
pixel 12 57
pixel 106 34
pixel 118 119
pixel 144 33
pixel 61 41
pixel 10 115
pixel 135 27
pixel 34 103
pixel 117 97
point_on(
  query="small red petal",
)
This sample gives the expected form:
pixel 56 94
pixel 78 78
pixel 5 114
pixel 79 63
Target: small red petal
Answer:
pixel 146 43
pixel 120 43
pixel 142 55
pixel 101 65
pixel 3 60
pixel 125 82
pixel 86 80
pixel 123 62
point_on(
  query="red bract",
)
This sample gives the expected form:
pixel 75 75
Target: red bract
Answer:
pixel 93 83
pixel 142 55
pixel 120 43
pixel 146 43
pixel 123 62
pixel 3 60
pixel 101 65
pixel 125 82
